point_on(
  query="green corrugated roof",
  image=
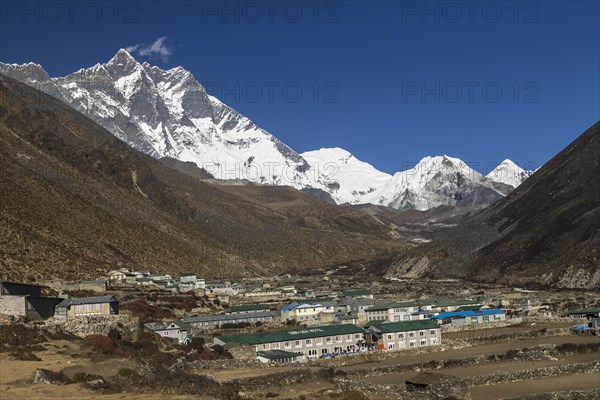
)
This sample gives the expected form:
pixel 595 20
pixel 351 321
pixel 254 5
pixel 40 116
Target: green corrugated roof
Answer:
pixel 454 302
pixel 589 310
pixel 292 334
pixel 374 323
pixel 277 354
pixel 404 326
pixel 469 308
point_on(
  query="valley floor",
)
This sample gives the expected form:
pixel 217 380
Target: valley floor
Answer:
pixel 531 362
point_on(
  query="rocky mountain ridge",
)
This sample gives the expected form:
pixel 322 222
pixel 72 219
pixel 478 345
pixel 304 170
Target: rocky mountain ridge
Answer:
pixel 169 114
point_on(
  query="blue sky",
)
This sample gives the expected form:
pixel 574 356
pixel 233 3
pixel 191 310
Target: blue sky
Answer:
pixel 391 82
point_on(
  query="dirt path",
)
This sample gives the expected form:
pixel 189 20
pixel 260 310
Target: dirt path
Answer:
pixel 479 349
pixel 513 389
pixel 487 369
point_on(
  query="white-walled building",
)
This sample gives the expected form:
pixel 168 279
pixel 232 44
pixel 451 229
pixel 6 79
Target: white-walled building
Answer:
pixel 306 312
pixel 310 342
pixel 404 335
pixel 180 332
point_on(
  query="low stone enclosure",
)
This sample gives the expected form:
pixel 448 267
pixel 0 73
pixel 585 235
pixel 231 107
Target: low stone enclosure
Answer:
pixel 443 388
pixel 127 326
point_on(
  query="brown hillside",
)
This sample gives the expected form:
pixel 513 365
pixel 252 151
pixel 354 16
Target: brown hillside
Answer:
pixel 546 232
pixel 76 202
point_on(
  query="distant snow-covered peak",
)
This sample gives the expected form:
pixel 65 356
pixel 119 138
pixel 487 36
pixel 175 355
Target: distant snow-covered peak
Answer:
pixel 168 113
pixel 348 179
pixel 122 57
pixel 436 181
pixel 509 173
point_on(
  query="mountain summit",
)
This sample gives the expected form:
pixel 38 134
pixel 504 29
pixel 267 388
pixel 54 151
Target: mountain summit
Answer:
pixel 168 113
pixel 509 173
pixel 438 181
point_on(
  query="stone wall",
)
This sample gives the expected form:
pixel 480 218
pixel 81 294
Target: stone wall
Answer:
pixel 487 325
pixel 97 324
pixel 13 305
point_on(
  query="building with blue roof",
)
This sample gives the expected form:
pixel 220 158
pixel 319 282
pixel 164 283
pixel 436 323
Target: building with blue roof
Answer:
pixel 470 317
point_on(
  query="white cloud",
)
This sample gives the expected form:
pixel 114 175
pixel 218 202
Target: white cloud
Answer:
pixel 160 48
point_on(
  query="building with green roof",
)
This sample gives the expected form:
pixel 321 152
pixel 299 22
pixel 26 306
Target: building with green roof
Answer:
pixel 404 335
pixel 247 308
pixel 414 310
pixel 312 342
pixel 357 293
pixel 278 356
pixel 588 313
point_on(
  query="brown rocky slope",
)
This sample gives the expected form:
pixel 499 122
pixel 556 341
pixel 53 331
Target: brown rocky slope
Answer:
pixel 76 202
pixel 545 233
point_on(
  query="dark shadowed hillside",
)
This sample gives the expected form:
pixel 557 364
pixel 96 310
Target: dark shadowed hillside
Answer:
pixel 547 232
pixel 76 202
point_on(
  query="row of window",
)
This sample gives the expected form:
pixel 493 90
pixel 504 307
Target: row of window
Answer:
pixel 310 342
pixel 402 335
pixel 87 308
pixel 338 349
pixel 233 321
pixel 486 318
pixel 411 343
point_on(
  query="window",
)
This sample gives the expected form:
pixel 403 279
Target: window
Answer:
pixel 357 336
pixel 87 308
pixel 423 342
pixel 308 342
pixel 411 334
pixel 338 339
pixel 485 318
pixel 432 332
pixel 265 346
pixel 497 318
pixel 401 336
pixel 324 351
pixel 348 338
pixel 412 343
pixel 390 336
pixel 275 346
pixel 328 339
pixel 390 345
pixel 298 343
pixel 406 317
pixel 287 345
pixel 312 353
pixel 421 333
pixel 474 321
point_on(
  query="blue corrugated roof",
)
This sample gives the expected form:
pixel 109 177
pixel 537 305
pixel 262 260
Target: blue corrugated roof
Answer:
pixel 469 313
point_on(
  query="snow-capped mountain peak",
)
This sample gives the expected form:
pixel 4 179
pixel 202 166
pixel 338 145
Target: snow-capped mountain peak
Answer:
pixel 347 178
pixel 122 58
pixel 437 181
pixel 168 113
pixel 509 173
